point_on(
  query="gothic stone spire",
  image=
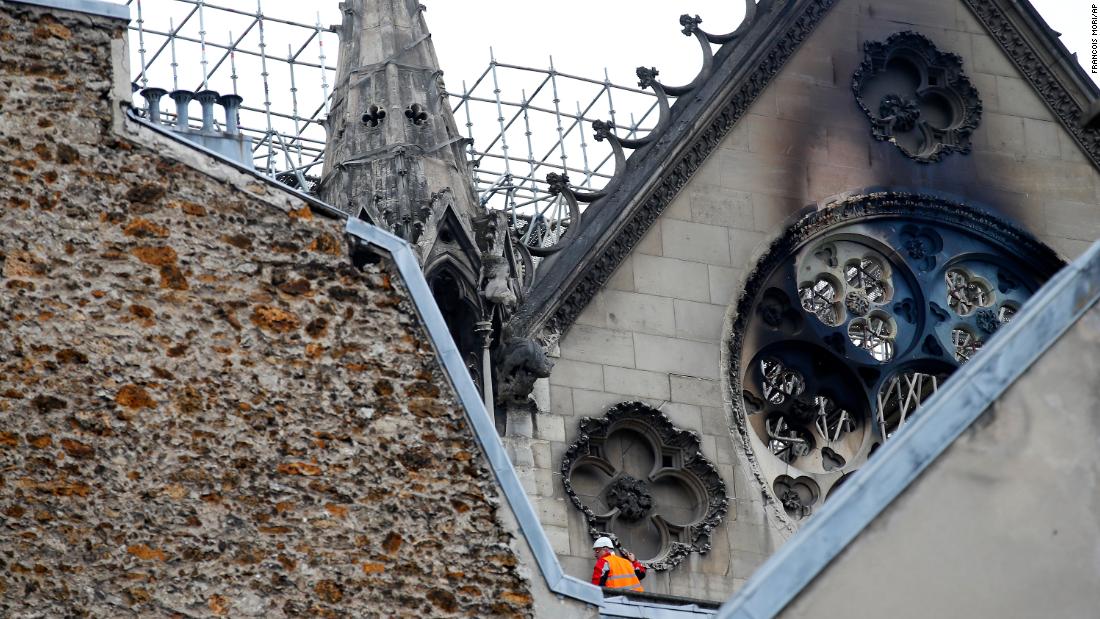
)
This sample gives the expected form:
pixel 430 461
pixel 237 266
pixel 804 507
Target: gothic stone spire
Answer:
pixel 394 154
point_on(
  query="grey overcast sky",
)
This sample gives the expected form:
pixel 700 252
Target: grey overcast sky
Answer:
pixel 583 36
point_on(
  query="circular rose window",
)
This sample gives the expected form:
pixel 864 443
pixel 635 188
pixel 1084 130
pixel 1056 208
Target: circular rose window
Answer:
pixel 854 318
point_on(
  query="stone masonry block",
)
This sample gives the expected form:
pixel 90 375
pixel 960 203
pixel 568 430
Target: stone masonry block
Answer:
pixel 828 106
pixel 813 64
pixel 743 564
pixel 559 538
pixel 717 206
pixel 630 311
pixel 738 137
pixel 710 172
pixel 596 403
pixel 519 451
pixel 592 403
pixel 1054 180
pixel 1071 150
pixel 636 383
pixel 752 172
pixel 828 180
pixel 987 89
pixel 1067 248
pixel 748 540
pixel 598 345
pixel 989 58
pixel 579 567
pixel 692 390
pixel 717 561
pixel 848 147
pixel 549 427
pixel 707 446
pixel 580 544
pixel 679 208
pixel 593 314
pixel 665 354
pixel 684 416
pixel 668 277
pixel 1001 134
pixel 693 241
pixel 552 512
pixel 623 277
pixel 1041 138
pixel 527 480
pixel 725 284
pixel 699 321
pixel 800 140
pixel 933 13
pixel 715 420
pixel 561 401
pixel 651 242
pixel 1017 97
pixel 745 245
pixel 519 424
pixel 1072 220
pixel 723 445
pixel 569 373
pixel 540 452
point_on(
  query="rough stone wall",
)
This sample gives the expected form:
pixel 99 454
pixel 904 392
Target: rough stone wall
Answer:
pixel 656 331
pixel 204 409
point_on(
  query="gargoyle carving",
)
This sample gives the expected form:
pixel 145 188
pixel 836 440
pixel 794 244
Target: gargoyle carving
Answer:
pixel 520 363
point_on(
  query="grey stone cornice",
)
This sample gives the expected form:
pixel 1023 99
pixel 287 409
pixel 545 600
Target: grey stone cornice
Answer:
pixel 1045 63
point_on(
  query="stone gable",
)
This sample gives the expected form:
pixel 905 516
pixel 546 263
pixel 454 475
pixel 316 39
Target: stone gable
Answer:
pixel 658 329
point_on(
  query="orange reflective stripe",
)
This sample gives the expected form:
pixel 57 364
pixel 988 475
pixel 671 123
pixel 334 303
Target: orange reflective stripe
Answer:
pixel 621 574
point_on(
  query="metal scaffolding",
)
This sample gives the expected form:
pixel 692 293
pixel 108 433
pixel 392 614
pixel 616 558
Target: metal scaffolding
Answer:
pixel 525 122
pixel 288 136
pixel 524 108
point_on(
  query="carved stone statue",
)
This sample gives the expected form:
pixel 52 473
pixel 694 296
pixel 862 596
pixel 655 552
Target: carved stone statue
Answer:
pixel 520 363
pixel 498 281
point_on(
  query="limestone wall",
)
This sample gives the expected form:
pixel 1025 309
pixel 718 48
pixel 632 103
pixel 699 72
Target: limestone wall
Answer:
pixel 206 410
pixel 657 330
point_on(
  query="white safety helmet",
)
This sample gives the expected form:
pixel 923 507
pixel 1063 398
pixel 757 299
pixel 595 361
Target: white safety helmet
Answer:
pixel 603 542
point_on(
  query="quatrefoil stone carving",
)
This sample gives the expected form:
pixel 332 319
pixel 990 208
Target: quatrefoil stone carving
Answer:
pixel 642 481
pixel 917 97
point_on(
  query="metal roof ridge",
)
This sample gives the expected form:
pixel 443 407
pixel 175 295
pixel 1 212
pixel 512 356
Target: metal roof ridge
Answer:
pixel 90 7
pixel 480 421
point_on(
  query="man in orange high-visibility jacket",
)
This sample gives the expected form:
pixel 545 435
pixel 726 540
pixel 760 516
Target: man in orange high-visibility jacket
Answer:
pixel 614 571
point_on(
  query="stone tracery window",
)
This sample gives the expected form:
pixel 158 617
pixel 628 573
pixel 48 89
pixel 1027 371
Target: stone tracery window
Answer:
pixel 854 319
pixel 642 481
